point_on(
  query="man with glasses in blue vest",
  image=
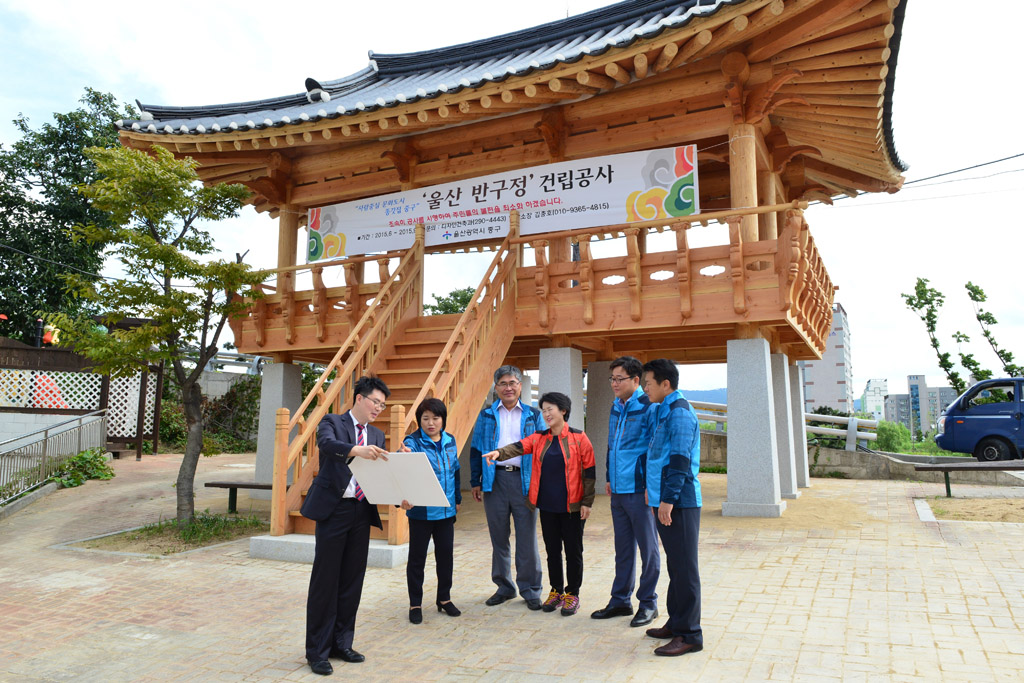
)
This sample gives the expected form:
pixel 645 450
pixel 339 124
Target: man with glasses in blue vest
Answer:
pixel 632 522
pixel 503 488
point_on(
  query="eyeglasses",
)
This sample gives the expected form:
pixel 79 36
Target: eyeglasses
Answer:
pixel 618 380
pixel 508 385
pixel 379 405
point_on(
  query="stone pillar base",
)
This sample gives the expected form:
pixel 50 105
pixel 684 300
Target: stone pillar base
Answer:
pixel 792 496
pixel 753 509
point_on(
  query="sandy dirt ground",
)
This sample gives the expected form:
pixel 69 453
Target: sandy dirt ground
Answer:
pixel 978 509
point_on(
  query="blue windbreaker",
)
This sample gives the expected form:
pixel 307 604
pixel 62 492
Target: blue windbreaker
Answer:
pixel 444 458
pixel 628 439
pixel 485 440
pixel 673 460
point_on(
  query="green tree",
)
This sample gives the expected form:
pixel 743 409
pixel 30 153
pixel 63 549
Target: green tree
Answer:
pixel 155 205
pixel 39 204
pixel 893 437
pixel 977 296
pixel 455 302
pixel 926 302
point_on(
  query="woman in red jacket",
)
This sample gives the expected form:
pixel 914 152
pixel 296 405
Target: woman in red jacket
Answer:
pixel 561 474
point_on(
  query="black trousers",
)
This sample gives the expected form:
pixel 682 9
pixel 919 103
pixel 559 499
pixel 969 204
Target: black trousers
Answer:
pixel 336 581
pixel 680 544
pixel 420 532
pixel 563 530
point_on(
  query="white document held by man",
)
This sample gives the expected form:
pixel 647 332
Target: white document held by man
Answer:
pixel 403 476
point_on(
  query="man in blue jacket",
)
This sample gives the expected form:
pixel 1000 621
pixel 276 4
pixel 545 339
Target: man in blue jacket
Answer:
pixel 632 522
pixel 504 487
pixel 673 492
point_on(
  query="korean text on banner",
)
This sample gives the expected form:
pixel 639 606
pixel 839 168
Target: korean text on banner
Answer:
pixel 569 195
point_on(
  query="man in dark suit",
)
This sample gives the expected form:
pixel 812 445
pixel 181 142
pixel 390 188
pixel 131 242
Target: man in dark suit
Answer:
pixel 343 517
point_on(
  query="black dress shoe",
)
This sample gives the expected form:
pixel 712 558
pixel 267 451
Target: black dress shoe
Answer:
pixel 448 608
pixel 323 667
pixel 644 616
pixel 497 599
pixel 533 603
pixel 609 612
pixel 349 655
pixel 416 615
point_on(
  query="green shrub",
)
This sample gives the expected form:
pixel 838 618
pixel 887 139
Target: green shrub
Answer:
pixel 893 437
pixel 90 464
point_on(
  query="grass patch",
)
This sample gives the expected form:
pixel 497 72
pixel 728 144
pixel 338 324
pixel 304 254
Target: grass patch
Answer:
pixel 166 537
pixel 712 469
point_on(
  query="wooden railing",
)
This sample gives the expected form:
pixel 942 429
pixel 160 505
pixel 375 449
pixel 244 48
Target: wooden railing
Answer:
pixel 736 275
pixel 475 346
pixel 399 297
pixel 295 307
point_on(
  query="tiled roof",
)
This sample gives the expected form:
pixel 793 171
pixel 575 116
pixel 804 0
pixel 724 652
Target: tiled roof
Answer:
pixel 394 80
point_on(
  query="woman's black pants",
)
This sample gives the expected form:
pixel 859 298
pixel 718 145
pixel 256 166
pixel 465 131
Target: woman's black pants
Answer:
pixel 563 530
pixel 420 533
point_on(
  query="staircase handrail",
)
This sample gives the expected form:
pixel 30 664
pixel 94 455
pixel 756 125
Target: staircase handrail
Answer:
pixel 354 335
pixel 366 331
pixel 502 268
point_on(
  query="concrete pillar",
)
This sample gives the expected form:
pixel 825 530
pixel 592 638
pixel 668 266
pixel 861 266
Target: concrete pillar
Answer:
pixel 281 387
pixel 599 407
pixel 796 400
pixel 562 370
pixel 752 488
pixel 784 425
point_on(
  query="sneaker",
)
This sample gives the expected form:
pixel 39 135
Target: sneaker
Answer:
pixel 570 604
pixel 553 602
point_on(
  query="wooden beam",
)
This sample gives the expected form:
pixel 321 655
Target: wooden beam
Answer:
pixel 590 79
pixel 797 28
pixel 691 48
pixel 615 71
pixel 726 36
pixel 878 35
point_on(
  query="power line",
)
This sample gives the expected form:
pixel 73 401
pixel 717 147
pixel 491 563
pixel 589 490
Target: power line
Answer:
pixel 967 168
pixel 64 265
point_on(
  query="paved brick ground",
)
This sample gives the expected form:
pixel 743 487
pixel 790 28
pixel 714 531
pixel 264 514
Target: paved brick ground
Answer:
pixel 878 595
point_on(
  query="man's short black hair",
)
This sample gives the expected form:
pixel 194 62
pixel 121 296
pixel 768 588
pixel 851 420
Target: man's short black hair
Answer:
pixel 631 366
pixel 367 384
pixel 434 405
pixel 560 401
pixel 663 369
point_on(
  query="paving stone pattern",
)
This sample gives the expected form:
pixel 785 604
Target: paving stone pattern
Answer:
pixel 848 585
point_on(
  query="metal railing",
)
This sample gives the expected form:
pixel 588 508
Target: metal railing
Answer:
pixel 29 460
pixel 716 412
pixel 851 431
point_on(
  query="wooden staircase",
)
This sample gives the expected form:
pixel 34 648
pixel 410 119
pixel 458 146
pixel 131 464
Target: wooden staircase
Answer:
pixel 449 357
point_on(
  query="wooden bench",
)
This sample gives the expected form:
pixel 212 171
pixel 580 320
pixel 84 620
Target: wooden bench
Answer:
pixel 233 487
pixel 998 465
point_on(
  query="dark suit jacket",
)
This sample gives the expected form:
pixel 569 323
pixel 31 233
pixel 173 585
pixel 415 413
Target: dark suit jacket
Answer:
pixel 335 437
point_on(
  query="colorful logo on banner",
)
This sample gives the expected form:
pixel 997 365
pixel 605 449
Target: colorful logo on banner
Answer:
pixel 670 176
pixel 321 245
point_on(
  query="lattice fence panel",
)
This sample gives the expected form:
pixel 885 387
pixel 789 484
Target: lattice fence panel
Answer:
pixel 57 390
pixel 150 414
pixel 123 406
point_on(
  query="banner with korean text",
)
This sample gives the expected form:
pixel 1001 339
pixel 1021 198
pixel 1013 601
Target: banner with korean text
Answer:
pixel 569 195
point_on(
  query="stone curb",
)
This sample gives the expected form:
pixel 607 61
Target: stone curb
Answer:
pixel 14 506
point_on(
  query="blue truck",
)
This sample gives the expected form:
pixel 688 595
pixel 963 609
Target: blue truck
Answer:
pixel 985 421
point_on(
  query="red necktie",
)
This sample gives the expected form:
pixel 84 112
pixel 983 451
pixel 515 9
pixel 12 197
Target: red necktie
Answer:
pixel 360 441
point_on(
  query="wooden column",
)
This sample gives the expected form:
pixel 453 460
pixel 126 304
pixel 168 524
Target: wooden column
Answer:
pixel 743 176
pixel 287 244
pixel 768 224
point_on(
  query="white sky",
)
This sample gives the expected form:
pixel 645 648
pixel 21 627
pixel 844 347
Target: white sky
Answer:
pixel 954 107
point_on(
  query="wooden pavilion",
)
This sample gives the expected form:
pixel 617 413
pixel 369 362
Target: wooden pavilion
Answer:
pixel 787 101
